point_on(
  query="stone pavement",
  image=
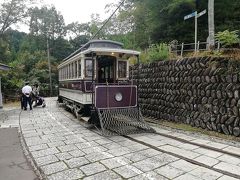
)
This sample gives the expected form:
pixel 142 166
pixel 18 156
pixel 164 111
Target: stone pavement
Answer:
pixel 62 148
pixel 13 163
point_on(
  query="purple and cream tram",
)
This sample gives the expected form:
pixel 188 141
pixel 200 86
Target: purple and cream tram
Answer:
pixel 96 77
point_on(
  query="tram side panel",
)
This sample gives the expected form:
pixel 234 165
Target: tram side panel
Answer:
pixel 76 91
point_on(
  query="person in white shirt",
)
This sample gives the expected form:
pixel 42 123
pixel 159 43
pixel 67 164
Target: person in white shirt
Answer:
pixel 27 90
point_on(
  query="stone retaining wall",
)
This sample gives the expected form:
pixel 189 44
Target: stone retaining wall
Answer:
pixel 203 92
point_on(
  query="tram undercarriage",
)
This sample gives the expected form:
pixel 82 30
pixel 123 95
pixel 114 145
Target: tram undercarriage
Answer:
pixel 116 121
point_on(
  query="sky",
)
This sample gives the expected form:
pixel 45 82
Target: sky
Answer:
pixel 75 10
pixel 80 10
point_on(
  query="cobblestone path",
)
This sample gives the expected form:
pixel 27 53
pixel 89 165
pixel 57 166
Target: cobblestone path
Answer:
pixel 62 148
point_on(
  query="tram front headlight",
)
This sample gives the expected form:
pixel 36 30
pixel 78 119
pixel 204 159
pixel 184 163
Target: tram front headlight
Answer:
pixel 118 97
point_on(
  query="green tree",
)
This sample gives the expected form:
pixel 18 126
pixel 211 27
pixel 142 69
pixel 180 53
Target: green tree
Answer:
pixel 13 12
pixel 4 51
pixel 47 22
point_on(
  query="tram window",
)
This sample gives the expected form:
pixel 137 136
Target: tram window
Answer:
pixel 122 69
pixel 88 68
pixel 79 69
pixel 106 71
pixel 59 74
pixel 68 71
pixel 64 73
pixel 72 70
pixel 75 69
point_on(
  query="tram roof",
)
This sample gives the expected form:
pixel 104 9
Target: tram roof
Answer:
pixel 111 50
pixel 91 43
pixel 101 51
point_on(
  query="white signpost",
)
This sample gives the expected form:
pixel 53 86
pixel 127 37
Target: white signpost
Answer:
pixel 190 15
pixel 201 13
pixel 196 15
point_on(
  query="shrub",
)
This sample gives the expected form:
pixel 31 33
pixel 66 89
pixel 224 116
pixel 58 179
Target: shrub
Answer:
pixel 156 52
pixel 228 38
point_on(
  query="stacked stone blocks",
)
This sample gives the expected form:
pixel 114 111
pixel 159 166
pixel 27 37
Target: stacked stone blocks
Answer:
pixel 203 92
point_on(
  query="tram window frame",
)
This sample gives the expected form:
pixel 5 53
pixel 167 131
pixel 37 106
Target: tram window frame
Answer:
pixel 88 71
pixel 64 72
pixel 79 68
pixel 59 74
pixel 75 69
pixel 120 69
pixel 72 71
pixel 69 72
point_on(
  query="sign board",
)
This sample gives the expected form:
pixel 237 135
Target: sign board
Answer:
pixel 202 13
pixel 190 15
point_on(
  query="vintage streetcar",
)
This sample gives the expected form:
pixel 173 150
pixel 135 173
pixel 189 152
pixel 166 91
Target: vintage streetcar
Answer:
pixel 94 80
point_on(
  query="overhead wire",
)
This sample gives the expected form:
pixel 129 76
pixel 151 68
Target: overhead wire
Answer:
pixel 101 28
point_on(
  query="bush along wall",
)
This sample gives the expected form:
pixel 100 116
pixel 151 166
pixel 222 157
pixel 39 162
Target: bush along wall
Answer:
pixel 203 92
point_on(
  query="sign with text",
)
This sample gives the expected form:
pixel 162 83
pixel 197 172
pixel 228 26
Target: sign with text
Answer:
pixel 202 13
pixel 190 15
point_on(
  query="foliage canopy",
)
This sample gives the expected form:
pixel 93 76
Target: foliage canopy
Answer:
pixel 146 25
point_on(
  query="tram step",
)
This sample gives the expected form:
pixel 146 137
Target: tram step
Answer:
pixel 85 118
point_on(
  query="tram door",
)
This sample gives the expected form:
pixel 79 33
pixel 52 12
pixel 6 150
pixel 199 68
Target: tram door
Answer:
pixel 106 69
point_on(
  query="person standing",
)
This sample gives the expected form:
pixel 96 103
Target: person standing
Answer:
pixel 27 90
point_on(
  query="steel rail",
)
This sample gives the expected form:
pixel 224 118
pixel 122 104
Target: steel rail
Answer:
pixel 180 156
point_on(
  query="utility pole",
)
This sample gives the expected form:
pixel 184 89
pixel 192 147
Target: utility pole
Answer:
pixel 49 67
pixel 211 24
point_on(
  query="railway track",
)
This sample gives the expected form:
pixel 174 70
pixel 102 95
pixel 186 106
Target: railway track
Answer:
pixel 190 160
pixel 198 144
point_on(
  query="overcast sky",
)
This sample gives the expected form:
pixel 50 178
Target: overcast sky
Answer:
pixel 80 10
pixel 75 10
